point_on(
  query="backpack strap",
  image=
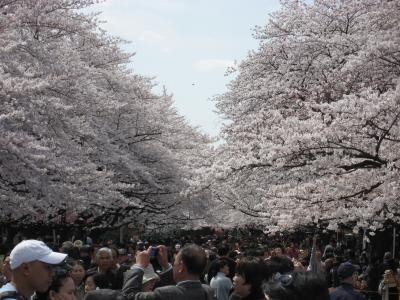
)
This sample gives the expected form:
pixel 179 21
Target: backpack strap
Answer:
pixel 12 295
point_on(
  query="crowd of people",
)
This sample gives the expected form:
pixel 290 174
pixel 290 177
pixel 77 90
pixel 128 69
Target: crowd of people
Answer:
pixel 212 269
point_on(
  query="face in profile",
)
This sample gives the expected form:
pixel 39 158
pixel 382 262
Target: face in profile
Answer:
pixel 177 267
pixel 39 274
pixel 240 286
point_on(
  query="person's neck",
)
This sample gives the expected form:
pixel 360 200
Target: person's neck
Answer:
pixel 102 271
pixel 189 277
pixel 348 281
pixel 78 282
pixel 222 273
pixel 24 290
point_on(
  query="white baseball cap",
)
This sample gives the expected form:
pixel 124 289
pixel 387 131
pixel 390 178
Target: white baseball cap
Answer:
pixel 31 250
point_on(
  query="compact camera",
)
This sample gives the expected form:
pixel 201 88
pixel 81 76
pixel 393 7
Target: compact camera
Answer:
pixel 153 251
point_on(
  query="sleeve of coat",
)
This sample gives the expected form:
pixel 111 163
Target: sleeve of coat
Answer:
pixel 132 288
pixel 166 278
pixel 132 283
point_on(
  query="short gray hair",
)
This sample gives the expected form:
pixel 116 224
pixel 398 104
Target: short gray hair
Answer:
pixel 104 249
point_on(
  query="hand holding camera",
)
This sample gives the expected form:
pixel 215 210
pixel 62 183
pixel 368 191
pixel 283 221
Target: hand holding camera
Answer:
pixel 143 258
pixel 162 257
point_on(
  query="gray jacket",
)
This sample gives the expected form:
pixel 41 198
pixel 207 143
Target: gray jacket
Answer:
pixel 190 290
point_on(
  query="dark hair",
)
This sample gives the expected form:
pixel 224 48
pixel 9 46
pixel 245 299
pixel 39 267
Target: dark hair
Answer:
pixel 279 263
pixel 5 256
pixel 254 271
pixel 89 274
pixel 216 266
pixel 101 280
pixel 223 250
pixel 77 262
pixel 194 258
pixel 297 286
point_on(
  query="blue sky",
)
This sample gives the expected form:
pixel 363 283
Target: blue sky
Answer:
pixel 187 45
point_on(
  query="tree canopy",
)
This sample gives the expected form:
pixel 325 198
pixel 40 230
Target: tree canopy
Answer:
pixel 82 137
pixel 312 119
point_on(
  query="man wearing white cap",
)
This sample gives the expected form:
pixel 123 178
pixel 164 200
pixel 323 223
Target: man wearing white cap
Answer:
pixel 31 264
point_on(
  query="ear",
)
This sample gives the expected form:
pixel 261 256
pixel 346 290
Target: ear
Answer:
pixel 26 268
pixel 182 267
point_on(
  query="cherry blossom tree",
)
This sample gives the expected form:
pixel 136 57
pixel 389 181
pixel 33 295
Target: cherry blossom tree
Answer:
pixel 81 135
pixel 312 119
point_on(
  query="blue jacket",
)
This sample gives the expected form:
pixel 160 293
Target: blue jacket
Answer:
pixel 346 292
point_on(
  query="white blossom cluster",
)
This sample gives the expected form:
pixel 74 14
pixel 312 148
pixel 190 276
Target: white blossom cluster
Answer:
pixel 312 132
pixel 81 135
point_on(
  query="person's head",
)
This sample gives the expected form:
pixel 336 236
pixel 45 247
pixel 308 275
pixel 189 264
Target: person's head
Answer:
pixel 67 247
pixel 347 273
pixel 218 265
pixel 297 286
pixel 78 244
pixel 32 264
pixel 104 259
pixel 223 250
pixel 387 255
pixel 329 252
pixel 89 283
pixel 190 262
pixel 5 268
pixel 224 266
pixel 62 287
pixel 249 275
pixel 279 263
pixel 78 271
pixel 329 263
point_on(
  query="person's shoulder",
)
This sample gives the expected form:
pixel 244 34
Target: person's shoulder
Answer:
pixel 207 287
pixel 8 287
pixel 168 291
pixel 167 288
pixel 338 292
pixel 8 292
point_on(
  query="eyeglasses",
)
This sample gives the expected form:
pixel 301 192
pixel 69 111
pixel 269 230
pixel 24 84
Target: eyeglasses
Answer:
pixel 284 279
